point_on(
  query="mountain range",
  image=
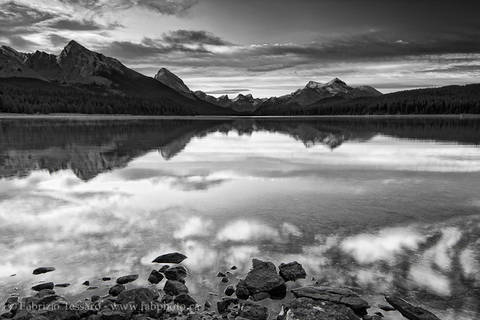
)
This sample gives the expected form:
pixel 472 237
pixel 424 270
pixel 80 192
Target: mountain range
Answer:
pixel 79 80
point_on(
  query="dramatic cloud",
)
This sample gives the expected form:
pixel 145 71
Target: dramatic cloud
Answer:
pixel 194 37
pixel 76 25
pixel 14 15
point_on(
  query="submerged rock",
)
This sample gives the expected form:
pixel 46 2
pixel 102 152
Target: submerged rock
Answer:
pixel 221 275
pixel 127 279
pixel 410 311
pixel 384 307
pixel 292 271
pixel 174 288
pixel 177 273
pixel 86 283
pixel 336 295
pixel 62 285
pixel 310 309
pixel 42 270
pixel 43 286
pixel 173 257
pixel 116 290
pixel 155 277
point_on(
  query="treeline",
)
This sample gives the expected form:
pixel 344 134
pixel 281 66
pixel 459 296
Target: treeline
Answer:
pixel 34 96
pixel 445 100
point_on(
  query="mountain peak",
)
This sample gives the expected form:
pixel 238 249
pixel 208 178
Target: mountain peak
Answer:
pixel 171 80
pixel 336 81
pixel 313 84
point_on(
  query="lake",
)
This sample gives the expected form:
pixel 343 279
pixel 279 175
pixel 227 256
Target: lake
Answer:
pixel 386 205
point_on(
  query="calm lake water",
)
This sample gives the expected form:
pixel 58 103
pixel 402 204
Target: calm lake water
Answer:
pixel 384 205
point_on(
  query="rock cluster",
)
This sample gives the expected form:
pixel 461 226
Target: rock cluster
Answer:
pixel 314 302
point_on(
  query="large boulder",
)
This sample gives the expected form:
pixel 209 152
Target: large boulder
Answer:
pixel 174 288
pixel 173 257
pixel 336 295
pixel 310 309
pixel 177 273
pixel 410 311
pixel 184 300
pixel 138 295
pixel 127 279
pixel 263 278
pixel 292 271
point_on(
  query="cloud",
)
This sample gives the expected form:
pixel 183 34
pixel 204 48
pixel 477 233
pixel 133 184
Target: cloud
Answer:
pixel 13 15
pixel 77 25
pixel 166 7
pixel 57 40
pixel 193 38
pixel 246 230
pixel 20 42
pixel 227 91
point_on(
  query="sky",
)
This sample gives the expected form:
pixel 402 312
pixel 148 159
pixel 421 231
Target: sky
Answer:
pixel 263 47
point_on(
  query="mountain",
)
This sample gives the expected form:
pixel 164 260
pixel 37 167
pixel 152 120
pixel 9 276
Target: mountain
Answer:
pixel 314 92
pixel 77 67
pixel 173 81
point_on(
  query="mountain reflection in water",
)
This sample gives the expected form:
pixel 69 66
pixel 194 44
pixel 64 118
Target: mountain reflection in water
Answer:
pixel 385 205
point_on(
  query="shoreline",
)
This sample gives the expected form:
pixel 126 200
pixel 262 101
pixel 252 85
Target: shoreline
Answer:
pixel 75 116
pixel 167 297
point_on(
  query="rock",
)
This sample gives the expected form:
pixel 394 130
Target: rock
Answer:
pixel 309 309
pixel 44 292
pixel 292 271
pixel 221 275
pixel 409 311
pixel 116 290
pixel 225 280
pixel 241 291
pixel 185 300
pixel 86 283
pixel 253 311
pixel 112 315
pixel 335 295
pixel 127 279
pixel 62 285
pixel 163 268
pixel 106 279
pixel 264 278
pixel 155 277
pixel 11 300
pixel 94 298
pixel 233 268
pixel 177 273
pixel 384 307
pixel 229 290
pixel 372 317
pixel 166 299
pixel 174 288
pixel 138 295
pixel 92 288
pixel 259 296
pixel 174 257
pixel 222 305
pixel 43 270
pixel 43 286
pixel 207 305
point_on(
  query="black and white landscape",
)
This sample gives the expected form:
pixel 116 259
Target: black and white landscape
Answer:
pixel 239 160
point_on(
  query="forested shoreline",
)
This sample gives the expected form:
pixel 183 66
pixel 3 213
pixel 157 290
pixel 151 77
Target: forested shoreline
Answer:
pixel 29 96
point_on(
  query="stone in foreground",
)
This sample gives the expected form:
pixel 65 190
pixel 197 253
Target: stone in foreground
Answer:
pixel 42 270
pixel 116 290
pixel 177 273
pixel 43 286
pixel 310 309
pixel 409 311
pixel 127 279
pixel 173 257
pixel 175 288
pixel 253 311
pixel 292 271
pixel 263 278
pixel 184 300
pixel 139 295
pixel 155 277
pixel 336 295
